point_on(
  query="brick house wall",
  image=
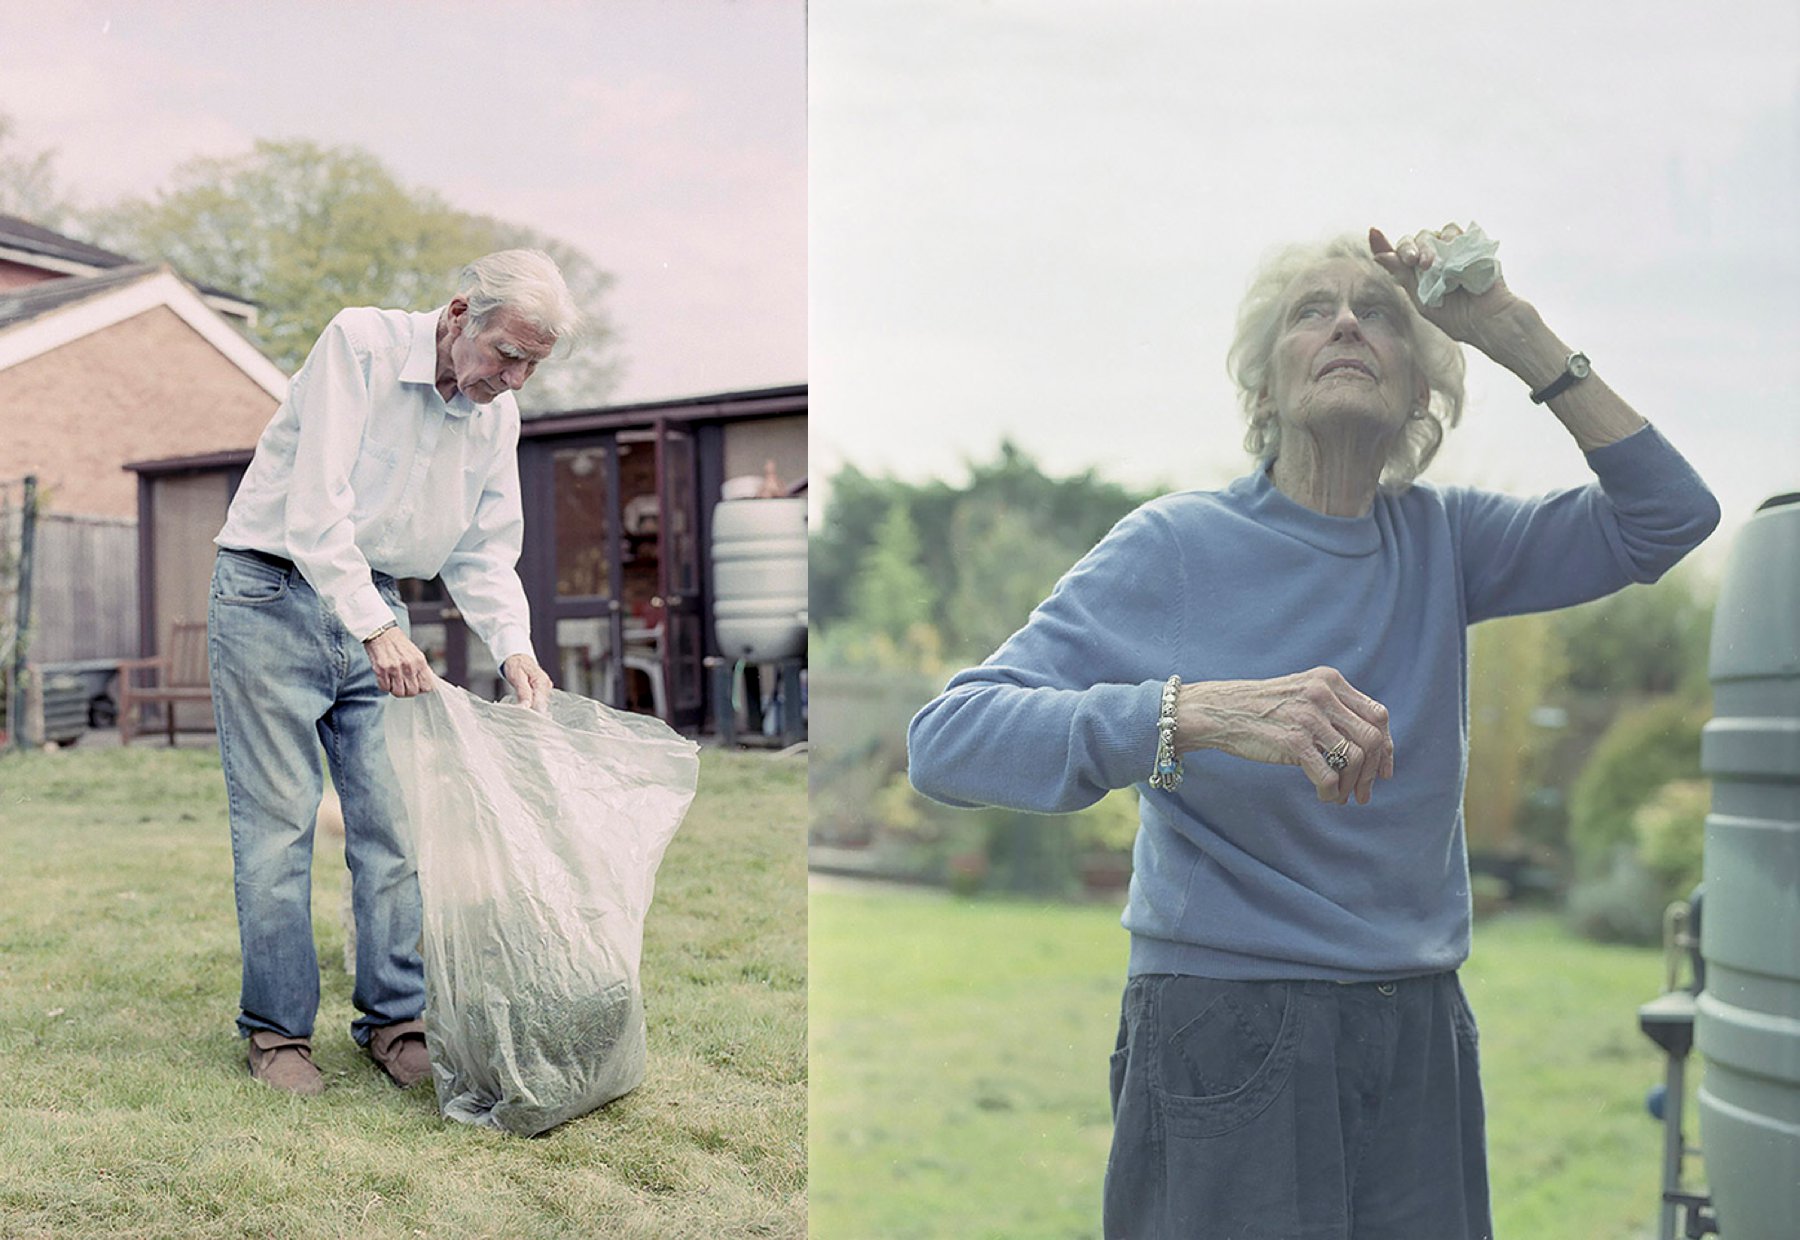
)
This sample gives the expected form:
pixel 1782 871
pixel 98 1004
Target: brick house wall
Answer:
pixel 18 275
pixel 144 388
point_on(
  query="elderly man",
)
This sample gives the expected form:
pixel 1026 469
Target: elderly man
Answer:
pixel 394 455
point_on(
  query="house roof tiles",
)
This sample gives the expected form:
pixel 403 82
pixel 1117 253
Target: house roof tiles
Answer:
pixel 19 234
pixel 19 305
pixel 23 236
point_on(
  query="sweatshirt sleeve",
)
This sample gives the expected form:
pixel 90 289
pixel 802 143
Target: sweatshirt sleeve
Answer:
pixel 1644 511
pixel 1065 711
pixel 330 401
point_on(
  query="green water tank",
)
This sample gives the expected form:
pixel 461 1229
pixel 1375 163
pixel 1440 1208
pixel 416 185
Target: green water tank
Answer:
pixel 1747 1022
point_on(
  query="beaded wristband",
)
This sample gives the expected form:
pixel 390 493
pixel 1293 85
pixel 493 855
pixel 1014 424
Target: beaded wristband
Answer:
pixel 1167 775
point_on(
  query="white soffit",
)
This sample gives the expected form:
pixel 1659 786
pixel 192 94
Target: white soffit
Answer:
pixel 48 262
pixel 60 326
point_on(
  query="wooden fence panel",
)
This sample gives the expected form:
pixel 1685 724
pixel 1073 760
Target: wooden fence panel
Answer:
pixel 84 589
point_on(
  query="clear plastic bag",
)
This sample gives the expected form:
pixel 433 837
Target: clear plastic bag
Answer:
pixel 537 839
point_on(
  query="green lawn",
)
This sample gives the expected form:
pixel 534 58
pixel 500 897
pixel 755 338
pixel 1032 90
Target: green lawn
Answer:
pixel 128 1113
pixel 959 1071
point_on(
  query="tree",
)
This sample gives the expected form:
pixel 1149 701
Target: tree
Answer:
pixel 1643 639
pixel 1072 513
pixel 1515 665
pixel 1007 562
pixel 28 182
pixel 305 230
pixel 893 601
pixel 860 503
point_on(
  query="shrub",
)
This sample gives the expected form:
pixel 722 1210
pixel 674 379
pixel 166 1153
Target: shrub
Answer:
pixel 1671 834
pixel 1110 825
pixel 1032 854
pixel 904 814
pixel 1625 905
pixel 1644 749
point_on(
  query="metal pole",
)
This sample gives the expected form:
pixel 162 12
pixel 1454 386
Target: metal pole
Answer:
pixel 15 701
pixel 1672 1145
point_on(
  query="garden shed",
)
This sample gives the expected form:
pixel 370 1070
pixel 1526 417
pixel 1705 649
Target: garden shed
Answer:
pixel 618 522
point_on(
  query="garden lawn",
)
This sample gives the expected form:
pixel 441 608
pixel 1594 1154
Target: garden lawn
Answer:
pixel 128 1112
pixel 959 1053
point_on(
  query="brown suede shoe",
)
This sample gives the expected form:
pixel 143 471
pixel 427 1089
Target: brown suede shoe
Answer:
pixel 400 1050
pixel 285 1063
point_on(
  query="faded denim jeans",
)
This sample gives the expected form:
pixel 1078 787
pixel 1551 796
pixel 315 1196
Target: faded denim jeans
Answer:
pixel 287 678
pixel 1300 1110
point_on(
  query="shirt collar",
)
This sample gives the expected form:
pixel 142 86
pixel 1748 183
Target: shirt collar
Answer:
pixel 421 362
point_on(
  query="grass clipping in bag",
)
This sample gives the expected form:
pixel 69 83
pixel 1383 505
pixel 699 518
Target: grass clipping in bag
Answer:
pixel 537 839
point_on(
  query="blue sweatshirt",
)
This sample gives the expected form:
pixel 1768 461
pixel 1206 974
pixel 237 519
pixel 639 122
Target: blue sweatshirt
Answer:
pixel 1243 872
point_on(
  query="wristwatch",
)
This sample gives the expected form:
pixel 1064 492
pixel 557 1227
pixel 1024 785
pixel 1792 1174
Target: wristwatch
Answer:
pixel 1575 370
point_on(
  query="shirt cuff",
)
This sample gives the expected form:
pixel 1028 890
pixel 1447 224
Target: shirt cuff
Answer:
pixel 364 611
pixel 510 641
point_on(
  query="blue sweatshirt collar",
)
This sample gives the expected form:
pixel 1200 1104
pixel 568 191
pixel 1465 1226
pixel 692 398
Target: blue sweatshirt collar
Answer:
pixel 1347 536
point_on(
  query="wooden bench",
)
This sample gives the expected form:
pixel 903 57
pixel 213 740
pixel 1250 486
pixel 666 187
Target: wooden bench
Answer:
pixel 179 676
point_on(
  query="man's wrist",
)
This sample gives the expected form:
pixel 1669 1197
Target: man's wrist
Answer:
pixel 389 626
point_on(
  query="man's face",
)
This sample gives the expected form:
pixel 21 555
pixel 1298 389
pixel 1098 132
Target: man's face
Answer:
pixel 499 357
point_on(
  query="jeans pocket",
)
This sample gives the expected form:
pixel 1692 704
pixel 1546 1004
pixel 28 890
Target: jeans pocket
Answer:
pixel 1116 1068
pixel 243 579
pixel 1225 1050
pixel 1463 1015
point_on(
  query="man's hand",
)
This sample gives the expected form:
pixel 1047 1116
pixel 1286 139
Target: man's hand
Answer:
pixel 529 681
pixel 400 667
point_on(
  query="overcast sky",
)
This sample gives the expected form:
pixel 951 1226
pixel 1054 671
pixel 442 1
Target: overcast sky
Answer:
pixel 666 140
pixel 1036 217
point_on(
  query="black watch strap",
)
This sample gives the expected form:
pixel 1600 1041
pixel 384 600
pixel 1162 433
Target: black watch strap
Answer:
pixel 1575 370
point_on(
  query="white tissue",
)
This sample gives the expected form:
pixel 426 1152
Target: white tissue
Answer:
pixel 1464 261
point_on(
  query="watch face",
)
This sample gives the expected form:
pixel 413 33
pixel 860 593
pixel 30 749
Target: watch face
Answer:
pixel 1579 365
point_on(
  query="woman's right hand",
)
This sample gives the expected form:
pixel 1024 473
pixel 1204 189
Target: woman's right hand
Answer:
pixel 1292 720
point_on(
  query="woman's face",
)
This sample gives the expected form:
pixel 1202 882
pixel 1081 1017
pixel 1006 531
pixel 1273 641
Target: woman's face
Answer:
pixel 1344 358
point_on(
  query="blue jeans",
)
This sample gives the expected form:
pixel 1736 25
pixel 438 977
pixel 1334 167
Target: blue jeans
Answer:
pixel 1296 1111
pixel 287 677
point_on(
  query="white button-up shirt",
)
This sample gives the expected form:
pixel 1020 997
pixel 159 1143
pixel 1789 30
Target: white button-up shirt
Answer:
pixel 366 467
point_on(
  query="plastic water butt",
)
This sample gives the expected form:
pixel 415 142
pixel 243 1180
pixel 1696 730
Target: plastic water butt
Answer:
pixel 1747 1022
pixel 759 578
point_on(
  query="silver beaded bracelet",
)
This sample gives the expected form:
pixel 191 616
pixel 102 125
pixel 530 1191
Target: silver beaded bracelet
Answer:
pixel 1167 775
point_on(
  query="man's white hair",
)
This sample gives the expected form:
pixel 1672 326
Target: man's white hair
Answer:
pixel 1439 359
pixel 525 281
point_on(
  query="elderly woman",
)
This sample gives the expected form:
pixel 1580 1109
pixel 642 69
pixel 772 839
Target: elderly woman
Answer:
pixel 1295 1055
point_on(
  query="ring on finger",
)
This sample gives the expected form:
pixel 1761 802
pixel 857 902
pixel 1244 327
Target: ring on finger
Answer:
pixel 1339 756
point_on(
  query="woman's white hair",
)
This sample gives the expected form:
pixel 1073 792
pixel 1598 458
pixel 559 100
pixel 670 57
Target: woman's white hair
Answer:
pixel 1259 321
pixel 526 281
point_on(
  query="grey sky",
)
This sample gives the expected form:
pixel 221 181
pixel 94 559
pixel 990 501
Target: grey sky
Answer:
pixel 666 140
pixel 1035 217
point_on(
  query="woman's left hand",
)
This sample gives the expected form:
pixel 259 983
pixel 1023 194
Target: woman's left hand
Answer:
pixel 1461 315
